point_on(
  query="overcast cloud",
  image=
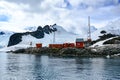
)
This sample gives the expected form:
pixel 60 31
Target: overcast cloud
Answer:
pixel 67 13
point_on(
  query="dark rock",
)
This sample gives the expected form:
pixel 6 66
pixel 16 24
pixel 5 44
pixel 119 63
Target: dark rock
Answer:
pixel 1 33
pixel 39 33
pixel 49 29
pixel 68 52
pixel 111 51
pixel 15 39
pixel 19 51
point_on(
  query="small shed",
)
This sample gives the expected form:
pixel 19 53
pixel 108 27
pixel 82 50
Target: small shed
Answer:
pixel 80 43
pixel 39 45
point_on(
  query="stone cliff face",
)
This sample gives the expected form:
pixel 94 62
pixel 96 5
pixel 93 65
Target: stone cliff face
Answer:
pixel 39 33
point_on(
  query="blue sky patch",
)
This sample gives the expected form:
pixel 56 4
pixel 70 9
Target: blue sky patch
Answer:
pixel 119 1
pixel 69 6
pixel 4 18
pixel 111 3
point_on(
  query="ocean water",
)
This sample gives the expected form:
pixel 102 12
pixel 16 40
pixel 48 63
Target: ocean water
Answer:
pixel 34 67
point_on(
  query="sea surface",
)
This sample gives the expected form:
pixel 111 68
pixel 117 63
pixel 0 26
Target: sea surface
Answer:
pixel 34 67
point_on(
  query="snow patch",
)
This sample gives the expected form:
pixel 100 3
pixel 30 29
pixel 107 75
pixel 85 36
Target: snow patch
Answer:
pixel 100 43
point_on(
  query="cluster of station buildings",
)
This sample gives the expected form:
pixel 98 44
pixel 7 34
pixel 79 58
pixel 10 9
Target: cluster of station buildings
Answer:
pixel 79 43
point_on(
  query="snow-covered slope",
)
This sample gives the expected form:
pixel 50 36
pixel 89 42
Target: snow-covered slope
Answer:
pixel 112 27
pixel 4 38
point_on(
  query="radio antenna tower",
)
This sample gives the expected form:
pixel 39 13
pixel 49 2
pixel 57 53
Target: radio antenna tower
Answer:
pixel 89 30
pixel 54 35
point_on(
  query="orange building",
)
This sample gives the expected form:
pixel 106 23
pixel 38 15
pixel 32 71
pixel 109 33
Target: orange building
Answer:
pixel 80 43
pixel 55 45
pixel 39 45
pixel 65 45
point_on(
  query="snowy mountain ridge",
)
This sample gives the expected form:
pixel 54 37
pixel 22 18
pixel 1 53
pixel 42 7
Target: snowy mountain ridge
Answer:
pixel 61 35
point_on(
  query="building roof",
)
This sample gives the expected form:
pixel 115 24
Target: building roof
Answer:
pixel 79 40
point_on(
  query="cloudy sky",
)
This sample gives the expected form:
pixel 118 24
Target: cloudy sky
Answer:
pixel 71 14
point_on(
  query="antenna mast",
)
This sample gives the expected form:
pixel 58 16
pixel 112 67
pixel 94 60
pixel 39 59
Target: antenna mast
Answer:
pixel 89 31
pixel 54 33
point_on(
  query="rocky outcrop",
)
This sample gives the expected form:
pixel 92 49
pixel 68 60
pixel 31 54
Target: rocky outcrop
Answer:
pixel 15 39
pixel 102 51
pixel 57 52
pixel 109 49
pixel 39 33
pixel 49 29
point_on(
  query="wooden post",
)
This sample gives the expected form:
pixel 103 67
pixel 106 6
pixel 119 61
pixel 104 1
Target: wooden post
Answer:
pixel 54 37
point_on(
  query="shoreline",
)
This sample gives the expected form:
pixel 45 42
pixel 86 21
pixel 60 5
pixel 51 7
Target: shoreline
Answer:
pixel 71 52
